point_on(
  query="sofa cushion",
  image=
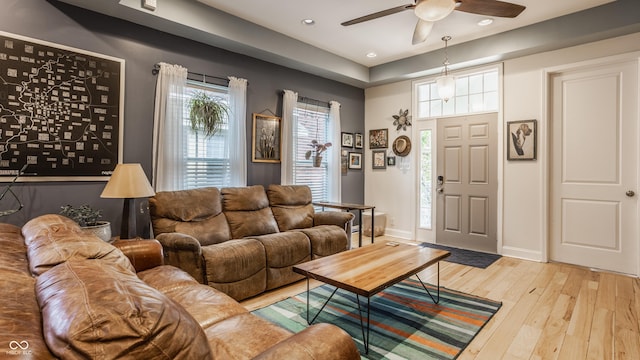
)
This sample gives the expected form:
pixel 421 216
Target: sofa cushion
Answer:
pixel 291 206
pixel 326 240
pixel 283 250
pixel 20 319
pixel 54 239
pixel 92 309
pixel 236 267
pixel 247 211
pixel 195 212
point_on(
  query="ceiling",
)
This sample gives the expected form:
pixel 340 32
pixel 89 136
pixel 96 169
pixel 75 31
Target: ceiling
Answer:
pixel 389 37
pixel 271 30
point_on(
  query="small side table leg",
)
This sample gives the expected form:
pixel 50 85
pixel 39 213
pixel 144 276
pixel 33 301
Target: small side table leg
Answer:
pixel 360 228
pixel 373 228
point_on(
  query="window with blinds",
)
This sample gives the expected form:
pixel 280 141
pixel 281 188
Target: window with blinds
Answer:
pixel 311 123
pixel 207 160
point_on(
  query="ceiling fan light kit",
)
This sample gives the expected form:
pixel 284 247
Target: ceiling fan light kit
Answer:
pixel 446 83
pixel 434 10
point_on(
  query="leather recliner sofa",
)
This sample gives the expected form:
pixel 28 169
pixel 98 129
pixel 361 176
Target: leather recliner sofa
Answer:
pixel 70 295
pixel 245 240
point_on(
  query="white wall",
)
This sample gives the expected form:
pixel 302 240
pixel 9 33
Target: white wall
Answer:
pixel 523 223
pixel 392 190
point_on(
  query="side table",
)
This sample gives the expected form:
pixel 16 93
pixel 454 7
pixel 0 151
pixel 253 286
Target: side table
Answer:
pixel 349 207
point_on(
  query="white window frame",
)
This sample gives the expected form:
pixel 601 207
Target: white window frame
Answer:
pixel 208 163
pixel 304 173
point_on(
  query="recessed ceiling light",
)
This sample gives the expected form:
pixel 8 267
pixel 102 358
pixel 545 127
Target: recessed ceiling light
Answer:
pixel 485 22
pixel 371 55
pixel 308 22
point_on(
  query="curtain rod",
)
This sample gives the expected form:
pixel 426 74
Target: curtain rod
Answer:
pixel 311 101
pixel 156 70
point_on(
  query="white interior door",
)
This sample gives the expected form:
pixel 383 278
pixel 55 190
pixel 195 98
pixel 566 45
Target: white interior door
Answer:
pixel 594 167
pixel 467 185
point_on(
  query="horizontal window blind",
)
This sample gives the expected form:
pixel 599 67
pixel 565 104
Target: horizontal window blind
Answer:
pixel 311 124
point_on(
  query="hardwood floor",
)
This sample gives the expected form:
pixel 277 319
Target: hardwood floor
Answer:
pixel 549 311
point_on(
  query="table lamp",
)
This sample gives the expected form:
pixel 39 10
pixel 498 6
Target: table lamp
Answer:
pixel 128 182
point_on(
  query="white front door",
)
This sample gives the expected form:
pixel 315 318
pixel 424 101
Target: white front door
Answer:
pixel 466 182
pixel 594 167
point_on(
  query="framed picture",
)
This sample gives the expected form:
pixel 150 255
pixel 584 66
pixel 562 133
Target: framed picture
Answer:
pixel 358 143
pixel 391 161
pixel 266 139
pixel 347 140
pixel 379 159
pixel 355 160
pixel 522 139
pixel 379 139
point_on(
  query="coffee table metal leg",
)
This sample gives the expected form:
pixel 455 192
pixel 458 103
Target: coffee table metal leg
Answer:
pixel 365 338
pixel 435 300
pixel 323 305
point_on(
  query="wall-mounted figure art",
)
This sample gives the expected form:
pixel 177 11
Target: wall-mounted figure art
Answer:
pixel 355 160
pixel 522 140
pixel 266 139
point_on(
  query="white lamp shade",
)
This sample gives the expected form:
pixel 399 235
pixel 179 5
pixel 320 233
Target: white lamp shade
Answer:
pixel 128 181
pixel 434 10
pixel 446 87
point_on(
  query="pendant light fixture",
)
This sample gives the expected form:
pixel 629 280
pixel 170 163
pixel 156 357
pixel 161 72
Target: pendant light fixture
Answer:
pixel 446 83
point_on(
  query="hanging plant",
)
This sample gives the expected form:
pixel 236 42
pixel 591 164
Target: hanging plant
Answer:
pixel 207 113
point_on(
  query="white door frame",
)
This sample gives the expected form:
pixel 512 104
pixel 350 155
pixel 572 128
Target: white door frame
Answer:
pixel 500 154
pixel 547 73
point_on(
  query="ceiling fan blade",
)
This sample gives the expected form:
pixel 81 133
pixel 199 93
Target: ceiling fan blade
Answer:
pixel 490 8
pixel 420 34
pixel 379 14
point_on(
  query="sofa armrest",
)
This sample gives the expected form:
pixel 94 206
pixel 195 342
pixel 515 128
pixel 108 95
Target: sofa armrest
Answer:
pixel 342 219
pixel 143 254
pixel 184 252
pixel 320 341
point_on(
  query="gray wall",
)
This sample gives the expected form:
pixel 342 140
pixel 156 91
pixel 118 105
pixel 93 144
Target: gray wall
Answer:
pixel 141 48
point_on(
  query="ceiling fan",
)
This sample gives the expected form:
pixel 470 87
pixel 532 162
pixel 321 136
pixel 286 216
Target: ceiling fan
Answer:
pixel 430 11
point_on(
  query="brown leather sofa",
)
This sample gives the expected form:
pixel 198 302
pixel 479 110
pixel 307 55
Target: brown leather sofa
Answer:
pixel 69 295
pixel 245 240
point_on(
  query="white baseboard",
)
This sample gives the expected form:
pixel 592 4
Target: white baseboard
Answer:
pixel 520 253
pixel 407 235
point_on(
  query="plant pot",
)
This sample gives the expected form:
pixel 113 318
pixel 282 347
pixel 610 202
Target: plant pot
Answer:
pixel 102 230
pixel 317 160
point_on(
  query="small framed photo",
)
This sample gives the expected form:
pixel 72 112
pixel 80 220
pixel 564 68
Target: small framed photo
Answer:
pixel 391 161
pixel 265 142
pixel 379 139
pixel 355 160
pixel 522 139
pixel 358 143
pixel 379 159
pixel 347 140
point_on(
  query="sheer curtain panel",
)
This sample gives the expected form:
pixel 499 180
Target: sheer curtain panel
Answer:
pixel 334 191
pixel 289 101
pixel 168 159
pixel 237 141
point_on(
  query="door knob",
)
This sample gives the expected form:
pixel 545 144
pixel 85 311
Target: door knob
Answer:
pixel 630 193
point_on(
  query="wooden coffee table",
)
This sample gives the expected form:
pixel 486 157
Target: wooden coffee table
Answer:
pixel 368 270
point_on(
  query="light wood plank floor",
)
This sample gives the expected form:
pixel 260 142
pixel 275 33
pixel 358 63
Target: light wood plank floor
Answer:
pixel 549 311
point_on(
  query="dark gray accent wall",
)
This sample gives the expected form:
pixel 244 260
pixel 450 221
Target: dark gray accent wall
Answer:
pixel 141 48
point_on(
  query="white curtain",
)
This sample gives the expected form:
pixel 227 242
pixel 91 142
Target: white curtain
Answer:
pixel 335 175
pixel 289 101
pixel 237 141
pixel 168 160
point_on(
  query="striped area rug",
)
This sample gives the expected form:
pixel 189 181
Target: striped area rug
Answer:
pixel 405 323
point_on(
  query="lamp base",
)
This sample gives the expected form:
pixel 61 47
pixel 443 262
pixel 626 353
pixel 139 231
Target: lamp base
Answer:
pixel 128 228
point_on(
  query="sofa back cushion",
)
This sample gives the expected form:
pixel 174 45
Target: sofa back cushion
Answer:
pixel 291 206
pixel 247 211
pixel 53 239
pixel 195 212
pixel 94 310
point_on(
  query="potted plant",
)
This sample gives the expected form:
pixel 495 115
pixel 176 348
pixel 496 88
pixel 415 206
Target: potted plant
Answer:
pixel 87 217
pixel 316 152
pixel 207 113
